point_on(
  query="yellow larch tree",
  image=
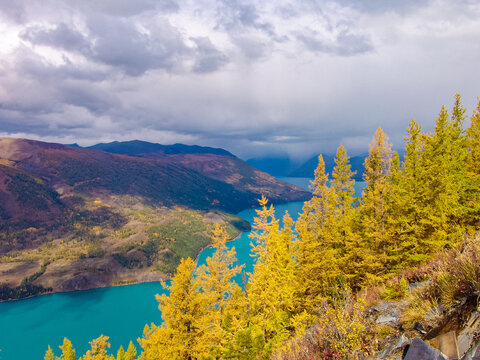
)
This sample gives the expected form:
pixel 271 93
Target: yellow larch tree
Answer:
pixel 176 338
pixel 375 204
pixel 319 241
pixel 223 298
pixel 271 289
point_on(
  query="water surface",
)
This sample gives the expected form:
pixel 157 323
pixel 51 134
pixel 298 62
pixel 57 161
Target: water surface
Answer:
pixel 28 326
pixel 118 312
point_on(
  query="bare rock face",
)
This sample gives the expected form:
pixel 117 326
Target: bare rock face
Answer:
pixel 419 350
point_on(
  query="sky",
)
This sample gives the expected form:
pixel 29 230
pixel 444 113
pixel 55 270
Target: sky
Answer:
pixel 258 78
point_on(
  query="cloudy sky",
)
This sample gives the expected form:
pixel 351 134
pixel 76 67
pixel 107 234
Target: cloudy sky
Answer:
pixel 254 77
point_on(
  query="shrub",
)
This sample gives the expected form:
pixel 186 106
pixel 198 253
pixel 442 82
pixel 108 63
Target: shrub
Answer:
pixel 395 289
pixel 341 332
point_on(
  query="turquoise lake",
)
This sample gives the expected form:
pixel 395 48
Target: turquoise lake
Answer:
pixel 118 312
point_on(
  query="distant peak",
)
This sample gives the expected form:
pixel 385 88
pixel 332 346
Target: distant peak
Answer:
pixel 139 148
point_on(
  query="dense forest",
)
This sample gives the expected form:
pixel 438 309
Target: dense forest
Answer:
pixel 310 273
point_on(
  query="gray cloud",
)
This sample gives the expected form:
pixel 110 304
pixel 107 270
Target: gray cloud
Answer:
pixel 61 36
pixel 345 44
pixel 126 8
pixel 120 44
pixel 233 15
pixel 208 58
pixel 253 77
pixel 379 6
pixel 12 10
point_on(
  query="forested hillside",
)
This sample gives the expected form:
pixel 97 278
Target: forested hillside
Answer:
pixel 74 218
pixel 309 274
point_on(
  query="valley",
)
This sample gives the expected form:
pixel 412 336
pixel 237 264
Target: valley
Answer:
pixel 75 219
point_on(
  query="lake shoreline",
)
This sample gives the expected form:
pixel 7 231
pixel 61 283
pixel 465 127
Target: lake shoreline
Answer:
pixel 145 280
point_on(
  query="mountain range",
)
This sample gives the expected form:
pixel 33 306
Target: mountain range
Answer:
pixel 75 218
pixel 40 183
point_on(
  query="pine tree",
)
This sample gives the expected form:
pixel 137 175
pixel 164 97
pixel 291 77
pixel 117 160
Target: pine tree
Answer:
pixel 131 352
pixel 121 353
pixel 410 244
pixel 343 187
pixel 471 199
pixel 445 164
pixel 343 181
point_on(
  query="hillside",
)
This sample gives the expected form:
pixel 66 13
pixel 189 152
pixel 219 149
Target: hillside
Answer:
pixel 92 216
pixel 215 164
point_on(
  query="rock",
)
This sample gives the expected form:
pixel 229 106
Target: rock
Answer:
pixel 447 344
pixel 402 341
pixel 419 327
pixel 419 350
pixel 419 284
pixel 385 319
pixel 473 354
pixel 399 343
pixel 466 336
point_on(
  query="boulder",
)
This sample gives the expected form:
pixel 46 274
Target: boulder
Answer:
pixel 419 350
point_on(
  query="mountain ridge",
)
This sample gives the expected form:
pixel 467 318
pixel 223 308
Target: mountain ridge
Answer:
pixel 91 218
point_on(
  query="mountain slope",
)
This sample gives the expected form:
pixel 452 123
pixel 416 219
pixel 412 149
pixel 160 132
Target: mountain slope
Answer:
pixel 74 218
pixel 216 164
pixel 276 166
